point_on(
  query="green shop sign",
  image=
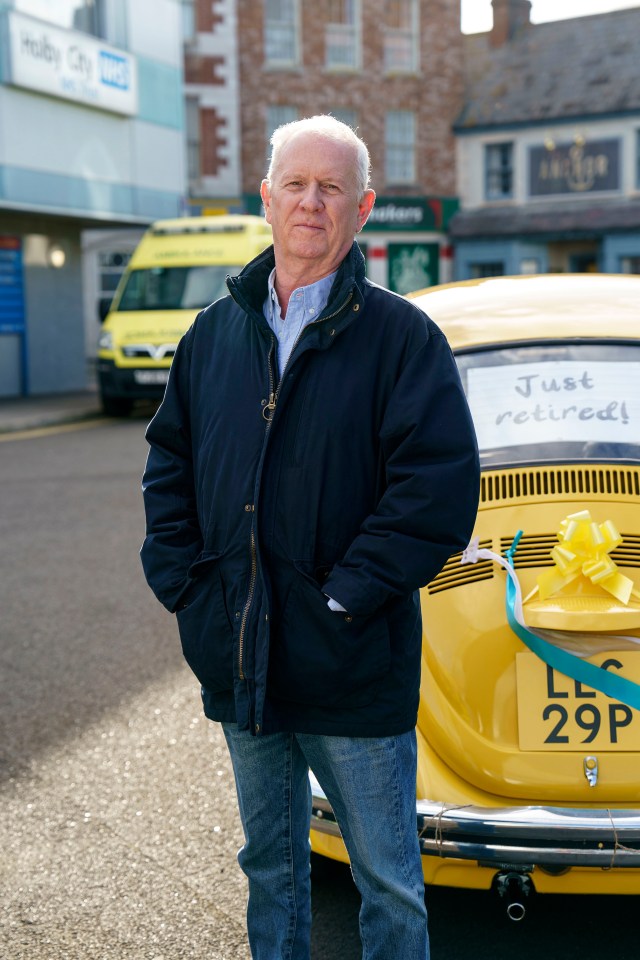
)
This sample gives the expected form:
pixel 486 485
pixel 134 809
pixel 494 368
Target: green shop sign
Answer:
pixel 411 214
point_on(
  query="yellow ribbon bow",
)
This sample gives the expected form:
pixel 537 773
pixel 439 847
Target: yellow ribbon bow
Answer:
pixel 584 550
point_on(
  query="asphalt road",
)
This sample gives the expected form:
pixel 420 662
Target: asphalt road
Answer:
pixel 119 826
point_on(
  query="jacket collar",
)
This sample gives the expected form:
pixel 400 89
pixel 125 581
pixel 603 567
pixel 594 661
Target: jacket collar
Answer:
pixel 249 288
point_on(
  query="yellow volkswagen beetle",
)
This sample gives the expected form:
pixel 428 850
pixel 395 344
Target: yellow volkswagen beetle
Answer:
pixel 529 721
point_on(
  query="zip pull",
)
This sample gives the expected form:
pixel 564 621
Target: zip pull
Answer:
pixel 268 408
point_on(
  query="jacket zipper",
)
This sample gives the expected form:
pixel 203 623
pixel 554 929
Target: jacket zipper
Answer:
pixel 269 408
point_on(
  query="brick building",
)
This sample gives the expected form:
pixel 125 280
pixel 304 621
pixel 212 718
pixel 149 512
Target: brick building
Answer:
pixel 212 104
pixel 391 68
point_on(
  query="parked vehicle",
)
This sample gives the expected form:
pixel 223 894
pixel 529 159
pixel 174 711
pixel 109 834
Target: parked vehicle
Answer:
pixel 179 267
pixel 528 776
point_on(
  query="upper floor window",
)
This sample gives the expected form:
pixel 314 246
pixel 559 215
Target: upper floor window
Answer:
pixel 188 19
pixel 276 117
pixel 342 38
pixel 345 115
pixel 400 147
pixel 84 15
pixel 498 158
pixel 281 32
pixel 401 36
pixel 106 19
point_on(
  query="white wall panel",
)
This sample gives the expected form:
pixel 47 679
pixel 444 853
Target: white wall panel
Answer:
pixel 56 137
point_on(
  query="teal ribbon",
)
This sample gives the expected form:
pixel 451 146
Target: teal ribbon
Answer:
pixel 611 684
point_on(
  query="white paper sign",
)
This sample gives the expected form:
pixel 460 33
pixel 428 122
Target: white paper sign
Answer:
pixel 555 401
pixel 71 65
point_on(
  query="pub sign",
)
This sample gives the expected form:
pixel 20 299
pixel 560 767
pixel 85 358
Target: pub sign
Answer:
pixel 574 168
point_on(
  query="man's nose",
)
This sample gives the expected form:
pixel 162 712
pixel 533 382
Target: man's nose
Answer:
pixel 311 198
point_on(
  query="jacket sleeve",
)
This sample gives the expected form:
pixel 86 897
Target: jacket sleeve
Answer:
pixel 428 508
pixel 173 536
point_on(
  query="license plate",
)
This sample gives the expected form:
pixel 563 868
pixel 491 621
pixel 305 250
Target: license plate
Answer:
pixel 558 713
pixel 150 376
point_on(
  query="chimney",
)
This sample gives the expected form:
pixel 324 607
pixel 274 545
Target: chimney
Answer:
pixel 510 18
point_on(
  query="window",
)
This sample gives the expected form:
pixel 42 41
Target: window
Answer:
pixel 175 288
pixel 401 34
pixel 345 115
pixel 341 35
pixel 499 171
pixel 84 15
pixel 479 270
pixel 281 31
pixel 522 416
pixel 400 147
pixel 188 19
pixel 630 265
pixel 192 112
pixel 111 264
pixel 276 117
pixel 106 19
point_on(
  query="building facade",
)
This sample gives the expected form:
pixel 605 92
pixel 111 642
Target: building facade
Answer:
pixel 390 68
pixel 91 137
pixel 212 105
pixel 548 146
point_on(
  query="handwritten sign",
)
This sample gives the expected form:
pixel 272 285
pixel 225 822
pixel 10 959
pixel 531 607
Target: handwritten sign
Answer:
pixel 555 401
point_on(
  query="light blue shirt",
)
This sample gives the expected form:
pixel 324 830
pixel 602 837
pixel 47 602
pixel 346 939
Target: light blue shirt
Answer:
pixel 305 305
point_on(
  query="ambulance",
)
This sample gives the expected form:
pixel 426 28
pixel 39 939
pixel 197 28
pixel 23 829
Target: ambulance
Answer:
pixel 179 267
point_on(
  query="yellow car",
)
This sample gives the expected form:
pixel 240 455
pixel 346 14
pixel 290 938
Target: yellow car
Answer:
pixel 529 721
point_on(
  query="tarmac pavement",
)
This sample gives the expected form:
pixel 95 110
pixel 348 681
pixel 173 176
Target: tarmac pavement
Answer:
pixel 118 842
pixel 32 413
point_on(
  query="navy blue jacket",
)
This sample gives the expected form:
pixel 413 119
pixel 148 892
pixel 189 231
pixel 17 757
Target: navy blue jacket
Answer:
pixel 354 476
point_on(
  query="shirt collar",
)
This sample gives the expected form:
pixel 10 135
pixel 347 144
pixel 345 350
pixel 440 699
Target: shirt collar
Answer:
pixel 314 296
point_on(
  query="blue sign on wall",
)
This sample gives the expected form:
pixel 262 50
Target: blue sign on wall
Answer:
pixel 11 285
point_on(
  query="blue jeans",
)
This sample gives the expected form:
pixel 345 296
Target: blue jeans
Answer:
pixel 371 785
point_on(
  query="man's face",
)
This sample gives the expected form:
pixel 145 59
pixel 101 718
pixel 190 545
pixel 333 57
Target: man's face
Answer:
pixel 312 205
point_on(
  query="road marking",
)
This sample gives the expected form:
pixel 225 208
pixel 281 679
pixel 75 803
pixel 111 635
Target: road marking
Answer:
pixel 33 432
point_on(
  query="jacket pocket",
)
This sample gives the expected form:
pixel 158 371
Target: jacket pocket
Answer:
pixel 323 657
pixel 205 628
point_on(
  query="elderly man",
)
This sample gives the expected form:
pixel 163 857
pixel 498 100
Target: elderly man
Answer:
pixel 312 465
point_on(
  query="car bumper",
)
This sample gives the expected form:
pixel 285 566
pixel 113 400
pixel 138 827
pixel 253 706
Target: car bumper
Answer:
pixel 554 838
pixel 131 382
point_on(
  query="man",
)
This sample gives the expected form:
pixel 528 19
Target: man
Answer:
pixel 312 465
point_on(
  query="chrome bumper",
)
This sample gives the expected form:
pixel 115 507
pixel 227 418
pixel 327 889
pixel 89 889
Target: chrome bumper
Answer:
pixel 524 837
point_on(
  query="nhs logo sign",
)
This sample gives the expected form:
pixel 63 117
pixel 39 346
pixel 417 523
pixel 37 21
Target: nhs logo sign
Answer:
pixel 115 70
pixel 70 65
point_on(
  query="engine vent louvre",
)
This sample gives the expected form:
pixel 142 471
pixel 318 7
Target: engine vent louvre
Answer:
pixel 455 574
pixel 536 551
pixel 533 551
pixel 560 482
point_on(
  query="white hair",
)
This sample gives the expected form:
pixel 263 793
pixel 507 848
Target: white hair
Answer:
pixel 324 125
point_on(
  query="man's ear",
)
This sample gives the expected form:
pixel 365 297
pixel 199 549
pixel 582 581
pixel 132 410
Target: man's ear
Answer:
pixel 265 195
pixel 365 207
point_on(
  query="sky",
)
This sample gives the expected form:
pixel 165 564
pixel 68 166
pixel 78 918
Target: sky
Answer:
pixel 477 16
